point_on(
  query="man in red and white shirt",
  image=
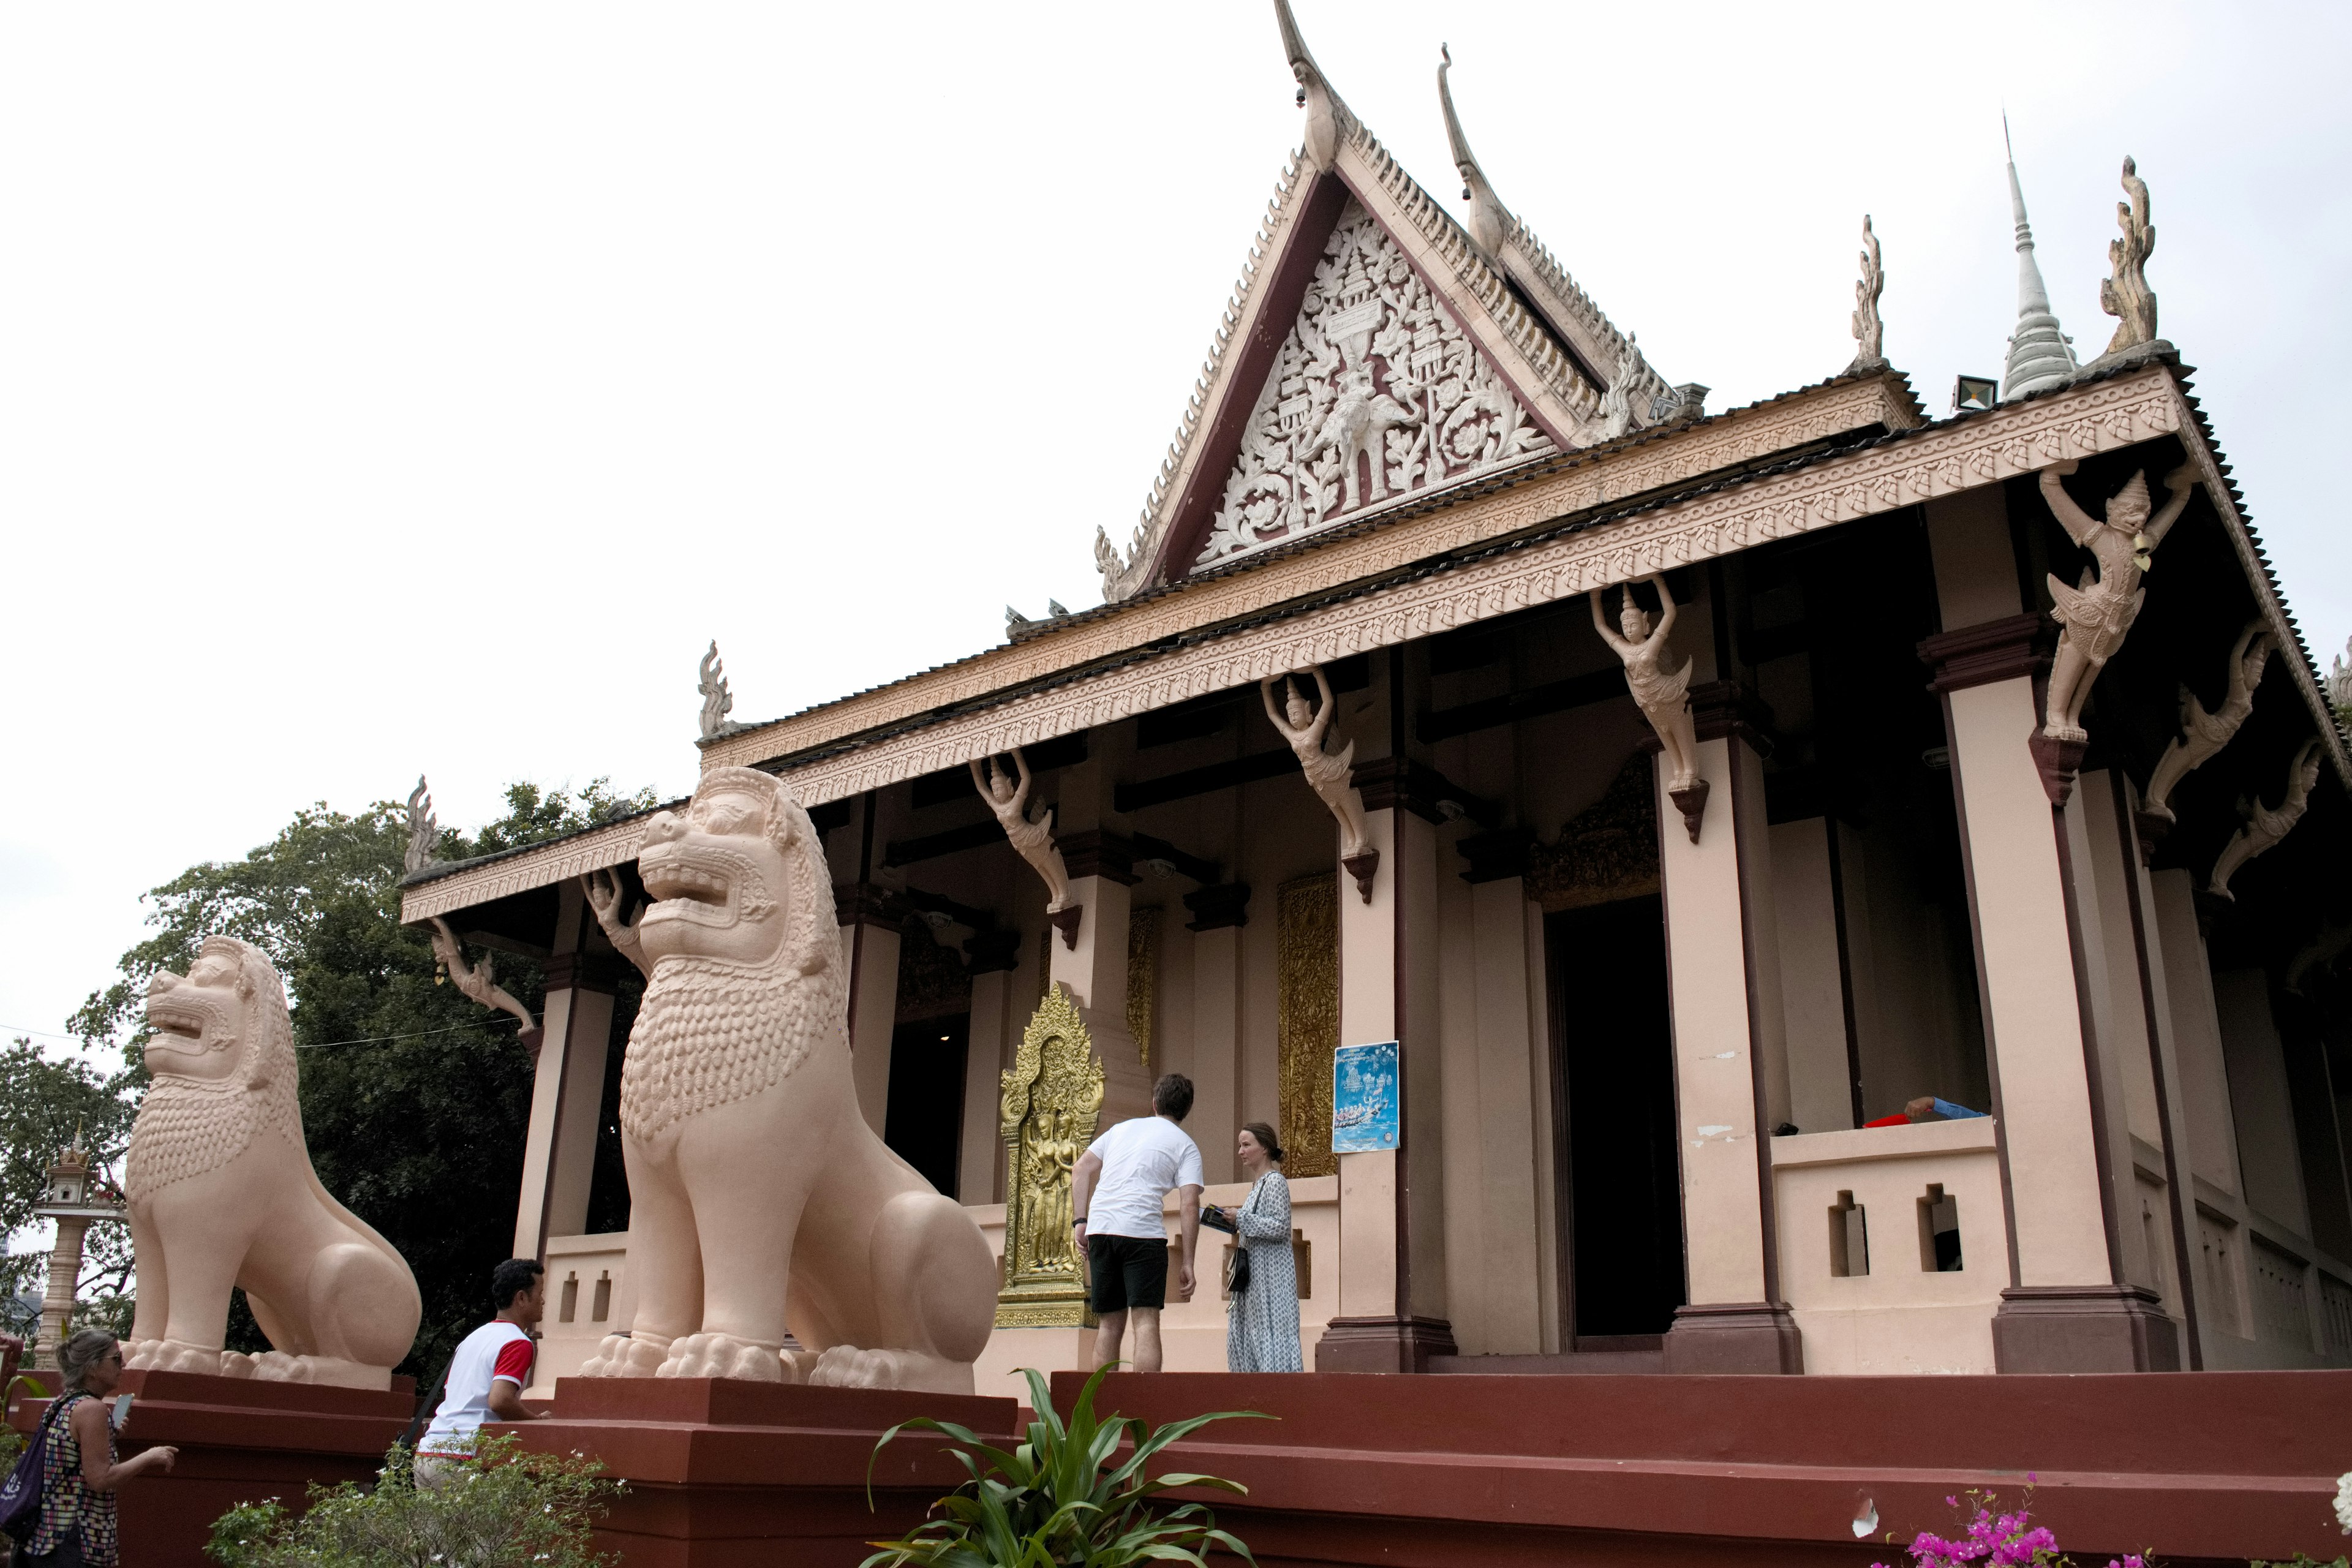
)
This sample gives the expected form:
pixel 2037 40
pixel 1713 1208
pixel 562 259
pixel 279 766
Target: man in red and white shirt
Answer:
pixel 488 1374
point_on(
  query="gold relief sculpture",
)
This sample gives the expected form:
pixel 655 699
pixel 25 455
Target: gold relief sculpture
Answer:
pixel 1052 1100
pixel 1307 945
pixel 1607 851
pixel 1142 977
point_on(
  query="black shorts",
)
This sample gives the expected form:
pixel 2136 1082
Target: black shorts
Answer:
pixel 1127 1271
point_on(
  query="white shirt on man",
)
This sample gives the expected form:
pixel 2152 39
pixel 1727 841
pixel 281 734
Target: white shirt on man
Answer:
pixel 1143 1160
pixel 498 1351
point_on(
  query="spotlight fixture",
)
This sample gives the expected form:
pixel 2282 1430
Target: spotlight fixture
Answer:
pixel 1975 394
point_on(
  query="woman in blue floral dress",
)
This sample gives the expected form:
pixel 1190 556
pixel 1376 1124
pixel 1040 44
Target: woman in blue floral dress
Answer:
pixel 1262 1322
pixel 78 1473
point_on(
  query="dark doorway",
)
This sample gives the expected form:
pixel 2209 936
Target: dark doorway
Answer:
pixel 924 1125
pixel 1619 1196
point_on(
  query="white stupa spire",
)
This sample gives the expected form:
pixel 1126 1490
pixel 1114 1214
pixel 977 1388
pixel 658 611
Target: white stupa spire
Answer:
pixel 2039 356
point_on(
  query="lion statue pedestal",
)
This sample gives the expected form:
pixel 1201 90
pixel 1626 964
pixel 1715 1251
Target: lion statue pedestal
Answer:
pixel 222 1193
pixel 760 1202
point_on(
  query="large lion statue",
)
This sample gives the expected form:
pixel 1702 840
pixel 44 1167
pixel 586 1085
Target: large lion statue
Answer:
pixel 760 1201
pixel 222 1193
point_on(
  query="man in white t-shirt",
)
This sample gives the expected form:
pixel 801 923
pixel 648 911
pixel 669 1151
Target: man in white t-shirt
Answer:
pixel 489 1373
pixel 1117 1192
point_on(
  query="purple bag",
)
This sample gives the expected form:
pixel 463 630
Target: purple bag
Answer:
pixel 20 1494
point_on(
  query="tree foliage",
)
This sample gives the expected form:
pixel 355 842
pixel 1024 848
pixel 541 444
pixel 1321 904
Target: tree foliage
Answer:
pixel 414 1100
pixel 44 1105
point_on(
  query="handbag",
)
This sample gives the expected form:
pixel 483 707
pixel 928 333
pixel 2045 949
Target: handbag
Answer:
pixel 20 1494
pixel 1237 1269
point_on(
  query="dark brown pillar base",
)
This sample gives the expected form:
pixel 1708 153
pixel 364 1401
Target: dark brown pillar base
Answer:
pixel 1383 1344
pixel 1735 1337
pixel 2084 1328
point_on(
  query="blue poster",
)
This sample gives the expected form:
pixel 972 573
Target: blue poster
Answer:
pixel 1364 1099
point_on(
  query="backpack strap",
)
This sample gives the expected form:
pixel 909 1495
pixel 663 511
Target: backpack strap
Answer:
pixel 428 1405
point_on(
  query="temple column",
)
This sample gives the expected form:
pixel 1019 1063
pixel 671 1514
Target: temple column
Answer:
pixel 1219 914
pixel 1092 963
pixel 1392 1312
pixel 873 920
pixel 567 1091
pixel 1731 1084
pixel 2034 906
pixel 987 1041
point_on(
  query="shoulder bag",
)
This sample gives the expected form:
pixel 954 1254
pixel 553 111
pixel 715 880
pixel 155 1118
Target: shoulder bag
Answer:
pixel 20 1494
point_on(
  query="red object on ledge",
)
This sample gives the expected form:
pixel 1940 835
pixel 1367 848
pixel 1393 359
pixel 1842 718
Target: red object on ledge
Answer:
pixel 1897 1120
pixel 241 1440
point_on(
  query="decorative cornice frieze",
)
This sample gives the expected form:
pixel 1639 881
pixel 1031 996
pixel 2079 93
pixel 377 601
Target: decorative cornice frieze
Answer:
pixel 559 862
pixel 1881 479
pixel 2009 441
pixel 1346 553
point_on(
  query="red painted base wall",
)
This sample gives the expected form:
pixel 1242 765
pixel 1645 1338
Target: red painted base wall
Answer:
pixel 1412 1471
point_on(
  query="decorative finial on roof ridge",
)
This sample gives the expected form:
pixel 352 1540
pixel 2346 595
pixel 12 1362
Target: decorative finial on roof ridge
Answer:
pixel 717 700
pixel 1328 119
pixel 424 830
pixel 1490 221
pixel 1869 330
pixel 2041 356
pixel 2126 295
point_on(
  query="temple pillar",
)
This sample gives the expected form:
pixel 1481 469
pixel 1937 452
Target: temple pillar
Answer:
pixel 1731 1080
pixel 1092 962
pixel 1392 1312
pixel 873 920
pixel 1219 914
pixel 567 1091
pixel 2040 964
pixel 981 1166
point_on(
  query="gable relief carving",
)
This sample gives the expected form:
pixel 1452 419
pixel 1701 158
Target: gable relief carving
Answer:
pixel 1607 851
pixel 1376 393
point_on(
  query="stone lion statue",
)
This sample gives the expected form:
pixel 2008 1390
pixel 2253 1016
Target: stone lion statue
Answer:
pixel 222 1193
pixel 759 1200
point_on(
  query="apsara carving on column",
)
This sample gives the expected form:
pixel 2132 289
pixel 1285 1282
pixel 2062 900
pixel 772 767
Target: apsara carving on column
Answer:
pixel 1032 840
pixel 1662 694
pixel 2126 295
pixel 2203 734
pixel 1327 772
pixel 2265 825
pixel 1376 393
pixel 2096 614
pixel 1052 1100
pixel 1144 927
pixel 478 982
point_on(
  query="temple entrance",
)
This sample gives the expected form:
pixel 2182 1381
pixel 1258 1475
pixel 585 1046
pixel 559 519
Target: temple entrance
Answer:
pixel 924 1123
pixel 1620 1188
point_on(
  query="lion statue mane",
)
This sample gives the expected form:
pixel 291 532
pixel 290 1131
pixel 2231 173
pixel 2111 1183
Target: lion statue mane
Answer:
pixel 223 1194
pixel 761 1203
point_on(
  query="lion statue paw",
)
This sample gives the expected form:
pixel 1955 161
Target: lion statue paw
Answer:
pixel 277 1366
pixel 846 1366
pixel 620 1355
pixel 172 1355
pixel 724 1355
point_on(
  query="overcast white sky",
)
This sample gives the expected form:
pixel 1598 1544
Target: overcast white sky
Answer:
pixel 420 388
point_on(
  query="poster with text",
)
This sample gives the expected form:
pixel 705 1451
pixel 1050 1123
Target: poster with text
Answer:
pixel 1364 1099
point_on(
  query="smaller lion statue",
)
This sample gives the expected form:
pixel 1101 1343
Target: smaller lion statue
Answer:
pixel 761 1205
pixel 222 1193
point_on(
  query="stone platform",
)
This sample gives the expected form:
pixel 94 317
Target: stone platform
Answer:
pixel 239 1441
pixel 1418 1472
pixel 724 1472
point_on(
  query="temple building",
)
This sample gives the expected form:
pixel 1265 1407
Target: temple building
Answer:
pixel 1817 862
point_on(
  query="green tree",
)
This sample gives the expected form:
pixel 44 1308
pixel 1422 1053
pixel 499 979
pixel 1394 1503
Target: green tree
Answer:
pixel 44 1105
pixel 413 1099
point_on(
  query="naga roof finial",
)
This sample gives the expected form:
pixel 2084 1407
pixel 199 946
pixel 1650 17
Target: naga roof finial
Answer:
pixel 1328 119
pixel 1490 221
pixel 2040 355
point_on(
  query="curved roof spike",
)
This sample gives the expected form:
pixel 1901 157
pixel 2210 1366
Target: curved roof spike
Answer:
pixel 1490 222
pixel 1328 119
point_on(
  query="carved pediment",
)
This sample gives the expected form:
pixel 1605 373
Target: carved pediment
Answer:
pixel 1375 394
pixel 1606 852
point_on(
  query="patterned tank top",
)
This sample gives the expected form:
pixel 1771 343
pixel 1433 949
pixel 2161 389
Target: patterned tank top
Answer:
pixel 66 1502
